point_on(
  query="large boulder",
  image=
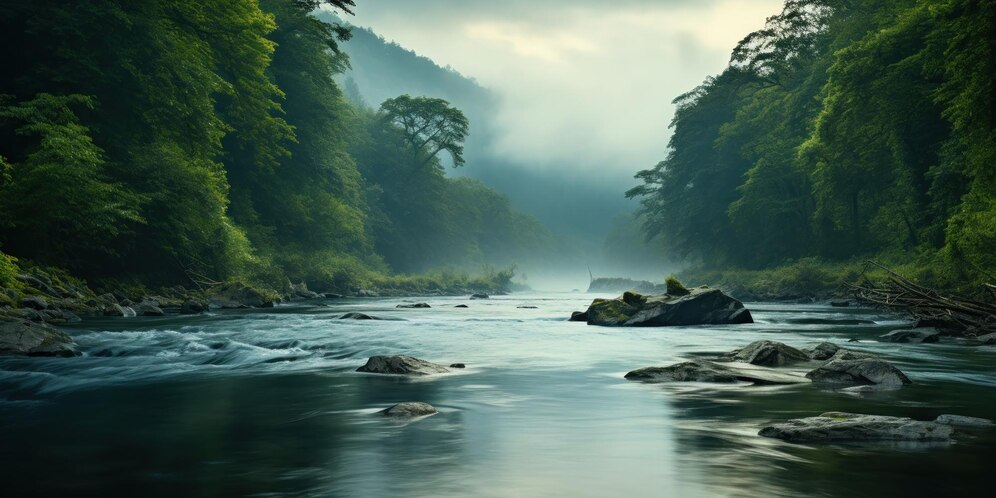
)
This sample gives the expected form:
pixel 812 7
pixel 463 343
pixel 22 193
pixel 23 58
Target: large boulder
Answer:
pixel 149 308
pixel 856 372
pixel 707 371
pixel 701 306
pixel 401 365
pixel 835 427
pixel 23 337
pixel 914 336
pixel 193 307
pixel 301 291
pixel 239 295
pixel 410 409
pixel 770 354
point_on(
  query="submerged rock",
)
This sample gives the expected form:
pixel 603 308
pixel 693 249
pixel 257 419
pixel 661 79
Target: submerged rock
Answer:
pixel 823 351
pixel 527 307
pixel 914 336
pixel 410 409
pixel 842 427
pixel 458 365
pixel 863 371
pixel 702 306
pixel 401 365
pixel 415 305
pixel 770 354
pixel 461 306
pixel 354 315
pixel 579 316
pixel 23 337
pixel 707 371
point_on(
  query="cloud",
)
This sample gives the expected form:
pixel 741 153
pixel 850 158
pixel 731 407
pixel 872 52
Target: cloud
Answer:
pixel 585 86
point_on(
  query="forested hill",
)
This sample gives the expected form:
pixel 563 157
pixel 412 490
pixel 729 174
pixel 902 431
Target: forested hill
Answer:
pixel 156 141
pixel 573 205
pixel 842 130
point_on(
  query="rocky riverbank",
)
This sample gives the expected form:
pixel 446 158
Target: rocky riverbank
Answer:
pixel 38 300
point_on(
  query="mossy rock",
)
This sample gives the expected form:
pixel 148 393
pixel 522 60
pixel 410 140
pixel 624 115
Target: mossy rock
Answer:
pixel 675 287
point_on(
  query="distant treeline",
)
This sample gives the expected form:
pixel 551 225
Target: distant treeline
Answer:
pixel 842 129
pixel 166 141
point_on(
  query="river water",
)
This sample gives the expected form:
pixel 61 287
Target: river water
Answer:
pixel 267 403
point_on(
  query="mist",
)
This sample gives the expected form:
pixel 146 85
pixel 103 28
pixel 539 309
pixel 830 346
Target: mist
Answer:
pixel 567 101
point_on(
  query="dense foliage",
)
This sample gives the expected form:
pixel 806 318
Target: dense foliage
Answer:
pixel 179 141
pixel 843 129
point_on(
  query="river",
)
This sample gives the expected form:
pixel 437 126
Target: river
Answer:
pixel 267 403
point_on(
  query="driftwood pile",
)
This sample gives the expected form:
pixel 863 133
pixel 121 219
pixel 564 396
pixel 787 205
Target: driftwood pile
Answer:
pixel 931 309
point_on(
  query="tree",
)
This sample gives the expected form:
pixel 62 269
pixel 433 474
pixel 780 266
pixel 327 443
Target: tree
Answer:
pixel 429 125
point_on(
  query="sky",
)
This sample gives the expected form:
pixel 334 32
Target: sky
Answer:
pixel 585 86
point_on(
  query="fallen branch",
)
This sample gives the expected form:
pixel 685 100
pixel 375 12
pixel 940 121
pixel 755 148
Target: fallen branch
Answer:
pixel 966 316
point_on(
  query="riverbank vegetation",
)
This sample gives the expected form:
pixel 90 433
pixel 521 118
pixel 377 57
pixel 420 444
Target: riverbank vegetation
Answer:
pixel 840 132
pixel 172 143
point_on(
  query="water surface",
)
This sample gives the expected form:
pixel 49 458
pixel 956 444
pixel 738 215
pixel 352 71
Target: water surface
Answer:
pixel 267 403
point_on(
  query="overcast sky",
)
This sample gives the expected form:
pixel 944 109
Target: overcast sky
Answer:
pixel 584 84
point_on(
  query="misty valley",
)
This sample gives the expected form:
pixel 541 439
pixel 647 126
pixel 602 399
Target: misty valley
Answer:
pixel 441 248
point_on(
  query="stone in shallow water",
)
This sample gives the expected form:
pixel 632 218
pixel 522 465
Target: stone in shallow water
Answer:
pixel 415 305
pixel 410 409
pixel 401 365
pixel 843 427
pixel 357 316
pixel 707 371
pixel 770 354
pixel 23 337
pixel 863 371
pixel 914 336
pixel 823 351
pixel 702 306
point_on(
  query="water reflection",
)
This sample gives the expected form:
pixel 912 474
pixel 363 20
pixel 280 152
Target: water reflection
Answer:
pixel 267 404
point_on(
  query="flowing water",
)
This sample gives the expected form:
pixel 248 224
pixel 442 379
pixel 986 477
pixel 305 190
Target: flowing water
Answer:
pixel 267 403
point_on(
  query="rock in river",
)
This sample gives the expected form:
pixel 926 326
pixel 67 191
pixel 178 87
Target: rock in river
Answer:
pixel 237 295
pixel 707 371
pixel 357 316
pixel 823 351
pixel 22 337
pixel 915 336
pixel 702 306
pixel 863 371
pixel 401 365
pixel 963 421
pixel 841 427
pixel 410 409
pixel 770 354
pixel 415 305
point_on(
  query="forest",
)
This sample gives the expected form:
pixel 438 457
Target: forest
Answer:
pixel 170 142
pixel 843 130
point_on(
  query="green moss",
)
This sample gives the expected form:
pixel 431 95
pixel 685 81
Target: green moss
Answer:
pixel 675 287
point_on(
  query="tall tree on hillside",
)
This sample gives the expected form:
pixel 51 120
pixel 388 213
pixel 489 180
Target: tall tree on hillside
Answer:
pixel 429 125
